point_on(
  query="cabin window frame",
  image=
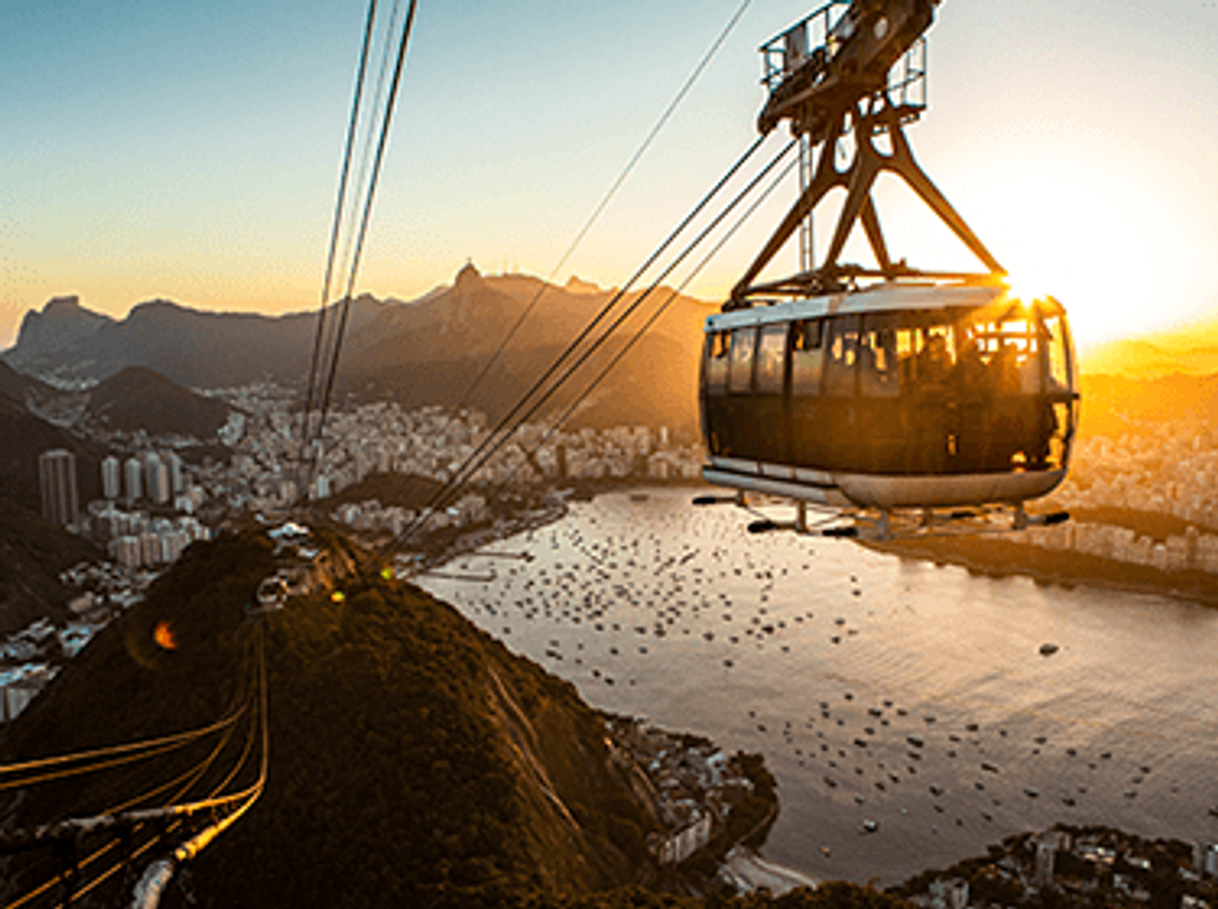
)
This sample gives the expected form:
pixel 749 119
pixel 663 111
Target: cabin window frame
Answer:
pixel 839 375
pixel 741 366
pixel 806 357
pixel 881 378
pixel 716 361
pixel 770 366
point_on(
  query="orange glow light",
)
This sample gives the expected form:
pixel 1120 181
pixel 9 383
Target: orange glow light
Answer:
pixel 163 635
pixel 337 596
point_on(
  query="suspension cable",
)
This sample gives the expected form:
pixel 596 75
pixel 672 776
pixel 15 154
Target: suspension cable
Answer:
pixel 366 218
pixel 603 204
pixel 672 297
pixel 337 225
pixel 158 746
pixel 444 492
pixel 481 455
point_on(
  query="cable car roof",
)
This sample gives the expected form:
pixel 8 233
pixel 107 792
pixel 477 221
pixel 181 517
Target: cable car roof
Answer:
pixel 878 298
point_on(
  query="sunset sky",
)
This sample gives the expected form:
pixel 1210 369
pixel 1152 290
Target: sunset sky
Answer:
pixel 190 151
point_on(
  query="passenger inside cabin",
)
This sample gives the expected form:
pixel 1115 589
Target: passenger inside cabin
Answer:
pixel 934 362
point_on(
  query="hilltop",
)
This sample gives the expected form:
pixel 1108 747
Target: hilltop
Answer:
pixel 413 759
pixel 139 398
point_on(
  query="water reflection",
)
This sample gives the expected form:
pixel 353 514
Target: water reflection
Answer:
pixel 833 660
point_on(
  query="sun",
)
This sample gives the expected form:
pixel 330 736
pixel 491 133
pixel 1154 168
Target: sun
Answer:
pixel 1107 246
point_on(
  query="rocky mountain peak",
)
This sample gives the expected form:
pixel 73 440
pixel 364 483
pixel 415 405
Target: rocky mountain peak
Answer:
pixel 62 323
pixel 468 277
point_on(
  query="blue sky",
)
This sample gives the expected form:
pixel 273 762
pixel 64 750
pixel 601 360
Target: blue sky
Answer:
pixel 191 151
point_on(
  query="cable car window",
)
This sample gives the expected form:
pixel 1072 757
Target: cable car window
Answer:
pixel 807 358
pixel 842 356
pixel 933 357
pixel 1015 364
pixel 1021 337
pixel 877 353
pixel 1058 358
pixel 715 362
pixel 740 374
pixel 771 359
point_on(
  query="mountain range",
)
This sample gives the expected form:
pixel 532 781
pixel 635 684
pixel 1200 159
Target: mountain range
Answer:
pixel 426 351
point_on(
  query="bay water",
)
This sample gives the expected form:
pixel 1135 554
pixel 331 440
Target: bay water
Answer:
pixel 885 693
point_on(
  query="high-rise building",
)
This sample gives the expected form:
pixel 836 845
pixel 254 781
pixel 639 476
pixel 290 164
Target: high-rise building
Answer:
pixel 57 477
pixel 112 477
pixel 177 482
pixel 158 478
pixel 135 488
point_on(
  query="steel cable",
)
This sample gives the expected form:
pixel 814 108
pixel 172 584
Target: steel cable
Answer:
pixel 481 455
pixel 620 355
pixel 338 218
pixel 370 197
pixel 459 478
pixel 604 202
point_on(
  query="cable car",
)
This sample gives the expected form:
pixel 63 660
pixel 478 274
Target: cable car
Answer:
pixel 891 397
pixel 878 387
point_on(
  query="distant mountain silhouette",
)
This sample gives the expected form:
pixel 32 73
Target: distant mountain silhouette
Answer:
pixel 63 325
pixel 430 353
pixel 427 351
pixel 191 347
pixel 139 398
pixel 1118 405
pixel 1140 358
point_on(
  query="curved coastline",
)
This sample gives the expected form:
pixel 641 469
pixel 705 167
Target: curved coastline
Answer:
pixel 1002 558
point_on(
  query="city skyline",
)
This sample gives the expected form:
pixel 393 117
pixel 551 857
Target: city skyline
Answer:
pixel 193 155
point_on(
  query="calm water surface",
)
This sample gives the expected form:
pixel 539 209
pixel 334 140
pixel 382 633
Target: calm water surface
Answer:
pixel 877 688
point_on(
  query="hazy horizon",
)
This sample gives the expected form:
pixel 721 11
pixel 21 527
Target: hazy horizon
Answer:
pixel 1193 334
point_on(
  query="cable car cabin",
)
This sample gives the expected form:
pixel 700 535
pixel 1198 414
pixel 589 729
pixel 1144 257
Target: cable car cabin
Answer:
pixel 891 397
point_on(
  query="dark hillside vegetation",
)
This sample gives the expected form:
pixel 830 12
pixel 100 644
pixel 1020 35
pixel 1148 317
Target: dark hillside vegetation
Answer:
pixel 32 554
pixel 23 437
pixel 414 760
pixel 123 687
pixel 139 398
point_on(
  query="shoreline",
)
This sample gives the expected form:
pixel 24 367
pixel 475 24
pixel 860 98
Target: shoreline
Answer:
pixel 747 872
pixel 996 557
pixel 1004 558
